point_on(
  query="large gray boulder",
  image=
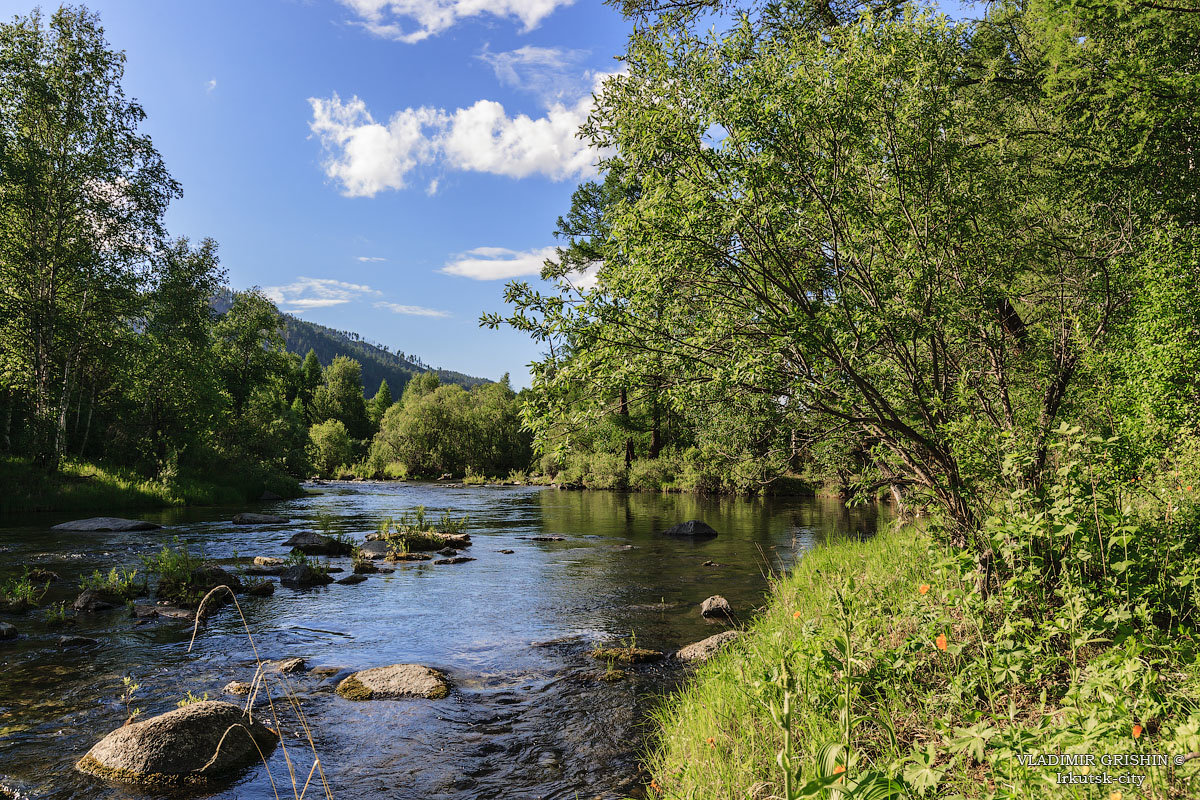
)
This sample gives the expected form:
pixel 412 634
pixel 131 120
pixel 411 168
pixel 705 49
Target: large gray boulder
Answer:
pixel 196 745
pixel 396 681
pixel 692 529
pixel 102 524
pixel 248 518
pixel 373 550
pixel 303 576
pixel 91 600
pixel 312 543
pixel 707 648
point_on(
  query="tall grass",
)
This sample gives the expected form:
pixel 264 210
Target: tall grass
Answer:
pixel 898 668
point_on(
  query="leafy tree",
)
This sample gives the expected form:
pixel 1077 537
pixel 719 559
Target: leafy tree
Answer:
pixel 248 346
pixel 419 386
pixel 331 446
pixel 311 378
pixel 83 198
pixel 379 405
pixel 340 397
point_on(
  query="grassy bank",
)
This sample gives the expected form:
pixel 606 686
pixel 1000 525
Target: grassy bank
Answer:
pixel 880 664
pixel 83 486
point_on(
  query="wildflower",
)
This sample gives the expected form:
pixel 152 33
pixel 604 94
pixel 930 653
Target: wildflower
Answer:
pixel 1137 731
pixel 941 641
pixel 796 615
pixel 1114 796
pixel 838 769
pixel 712 742
pixel 923 588
pixel 1189 488
pixel 654 785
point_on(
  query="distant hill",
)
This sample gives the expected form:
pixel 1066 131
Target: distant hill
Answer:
pixel 379 363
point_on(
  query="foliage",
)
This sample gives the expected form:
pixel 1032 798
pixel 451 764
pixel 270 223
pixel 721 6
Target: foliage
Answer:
pixel 416 531
pixel 20 594
pixel 190 699
pixel 175 570
pixel 340 398
pixel 118 583
pixel 330 446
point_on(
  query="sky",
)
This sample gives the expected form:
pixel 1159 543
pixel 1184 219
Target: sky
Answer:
pixel 378 166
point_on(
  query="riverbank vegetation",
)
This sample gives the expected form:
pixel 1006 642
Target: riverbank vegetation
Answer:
pixel 953 261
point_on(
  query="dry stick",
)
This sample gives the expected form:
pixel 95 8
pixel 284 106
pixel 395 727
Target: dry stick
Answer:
pixel 259 676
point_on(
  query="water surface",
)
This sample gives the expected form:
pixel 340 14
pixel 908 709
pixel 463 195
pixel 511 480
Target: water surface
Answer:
pixel 527 717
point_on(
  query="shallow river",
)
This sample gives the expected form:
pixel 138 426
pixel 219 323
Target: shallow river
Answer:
pixel 527 717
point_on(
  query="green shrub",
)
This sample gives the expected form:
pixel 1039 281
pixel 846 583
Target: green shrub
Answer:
pixel 119 583
pixel 20 594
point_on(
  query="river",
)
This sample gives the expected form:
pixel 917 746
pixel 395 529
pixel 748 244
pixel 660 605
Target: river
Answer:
pixel 527 717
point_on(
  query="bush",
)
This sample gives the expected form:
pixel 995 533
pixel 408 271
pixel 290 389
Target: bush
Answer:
pixel 330 446
pixel 118 583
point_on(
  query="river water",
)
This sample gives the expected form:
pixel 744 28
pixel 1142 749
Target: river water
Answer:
pixel 527 717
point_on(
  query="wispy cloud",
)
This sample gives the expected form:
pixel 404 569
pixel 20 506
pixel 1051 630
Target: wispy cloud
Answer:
pixel 411 21
pixel 550 73
pixel 371 259
pixel 416 311
pixel 367 157
pixel 308 293
pixel 498 263
pixel 211 85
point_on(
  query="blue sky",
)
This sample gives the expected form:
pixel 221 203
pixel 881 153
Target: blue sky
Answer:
pixel 380 166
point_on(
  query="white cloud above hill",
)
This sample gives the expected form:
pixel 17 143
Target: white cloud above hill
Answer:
pixel 411 21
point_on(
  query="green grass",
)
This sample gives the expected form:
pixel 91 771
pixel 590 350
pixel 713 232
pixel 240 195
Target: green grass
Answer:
pixel 118 583
pixel 846 676
pixel 85 486
pixel 21 594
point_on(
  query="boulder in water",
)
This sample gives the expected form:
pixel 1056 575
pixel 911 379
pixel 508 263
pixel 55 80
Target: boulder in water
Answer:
pixel 707 648
pixel 716 606
pixel 396 681
pixel 373 550
pixel 91 600
pixel 318 544
pixel 692 529
pixel 8 631
pixel 196 745
pixel 303 576
pixel 267 561
pixel 105 524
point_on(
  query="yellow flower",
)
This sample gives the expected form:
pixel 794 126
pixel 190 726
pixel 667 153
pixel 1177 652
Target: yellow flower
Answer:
pixel 1114 796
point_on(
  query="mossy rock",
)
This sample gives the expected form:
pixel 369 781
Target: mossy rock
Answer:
pixel 393 682
pixel 196 745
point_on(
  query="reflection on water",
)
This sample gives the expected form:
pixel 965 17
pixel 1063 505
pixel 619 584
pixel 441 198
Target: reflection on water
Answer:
pixel 524 721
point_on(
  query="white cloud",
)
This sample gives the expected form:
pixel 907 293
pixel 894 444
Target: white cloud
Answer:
pixel 432 188
pixel 212 84
pixel 585 279
pixel 371 259
pixel 418 311
pixel 306 293
pixel 498 263
pixel 411 21
pixel 550 73
pixel 367 157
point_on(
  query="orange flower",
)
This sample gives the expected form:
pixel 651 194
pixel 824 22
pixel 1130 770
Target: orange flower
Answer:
pixel 839 769
pixel 940 641
pixel 654 785
pixel 1114 796
pixel 923 588
pixel 1189 488
pixel 712 742
pixel 796 615
pixel 1137 731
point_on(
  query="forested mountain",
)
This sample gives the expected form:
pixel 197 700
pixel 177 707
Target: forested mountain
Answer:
pixel 378 362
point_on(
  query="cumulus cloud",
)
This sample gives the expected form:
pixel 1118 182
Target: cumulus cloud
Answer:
pixel 417 311
pixel 367 157
pixel 411 21
pixel 307 293
pixel 498 263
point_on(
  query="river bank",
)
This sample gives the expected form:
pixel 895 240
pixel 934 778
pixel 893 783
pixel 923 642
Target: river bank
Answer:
pixel 944 690
pixel 81 486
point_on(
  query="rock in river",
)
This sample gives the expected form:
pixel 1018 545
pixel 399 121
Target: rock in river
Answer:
pixel 8 631
pixel 353 578
pixel 318 544
pixel 373 550
pixel 101 524
pixel 707 648
pixel 692 529
pixel 90 600
pixel 303 576
pixel 183 746
pixel 398 680
pixel 267 561
pixel 716 606
pixel 455 560
pixel 247 518
pixel 67 642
